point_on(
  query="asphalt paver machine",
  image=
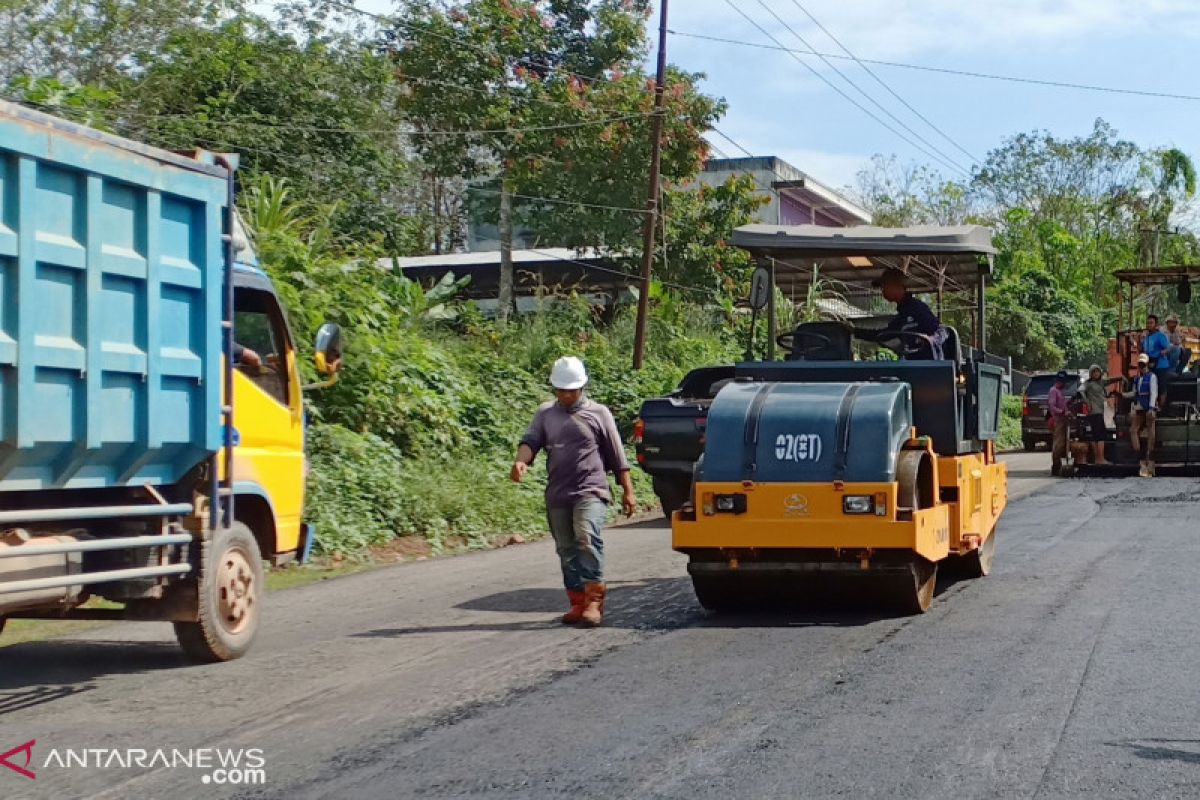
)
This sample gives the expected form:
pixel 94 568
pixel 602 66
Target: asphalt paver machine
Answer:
pixel 1177 429
pixel 857 455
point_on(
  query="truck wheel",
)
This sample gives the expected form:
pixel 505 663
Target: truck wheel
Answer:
pixel 229 602
pixel 1029 443
pixel 718 592
pixel 672 494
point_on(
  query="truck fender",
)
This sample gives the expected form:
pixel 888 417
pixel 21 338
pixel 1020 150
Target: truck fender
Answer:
pixel 252 506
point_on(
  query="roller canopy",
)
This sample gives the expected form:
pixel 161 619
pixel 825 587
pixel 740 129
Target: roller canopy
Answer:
pixel 806 432
pixel 953 257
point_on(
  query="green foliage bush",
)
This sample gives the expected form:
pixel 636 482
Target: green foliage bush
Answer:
pixel 417 436
pixel 1010 423
pixel 353 481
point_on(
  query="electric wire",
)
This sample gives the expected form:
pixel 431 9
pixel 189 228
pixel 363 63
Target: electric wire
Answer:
pixel 942 70
pixel 884 84
pixel 922 144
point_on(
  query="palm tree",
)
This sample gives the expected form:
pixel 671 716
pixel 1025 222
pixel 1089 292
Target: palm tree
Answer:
pixel 1176 181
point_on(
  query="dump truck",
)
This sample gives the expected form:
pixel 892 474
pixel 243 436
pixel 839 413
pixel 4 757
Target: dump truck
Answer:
pixel 151 410
pixel 859 455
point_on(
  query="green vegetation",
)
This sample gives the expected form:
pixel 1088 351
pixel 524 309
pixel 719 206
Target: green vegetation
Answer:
pixel 365 138
pixel 1010 423
pixel 418 436
pixel 1067 214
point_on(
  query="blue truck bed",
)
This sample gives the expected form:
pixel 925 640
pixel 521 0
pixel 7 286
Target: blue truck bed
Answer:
pixel 111 274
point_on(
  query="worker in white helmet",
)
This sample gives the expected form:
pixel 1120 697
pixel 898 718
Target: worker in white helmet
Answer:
pixel 582 446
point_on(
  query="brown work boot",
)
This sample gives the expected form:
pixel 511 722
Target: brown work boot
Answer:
pixel 593 608
pixel 577 602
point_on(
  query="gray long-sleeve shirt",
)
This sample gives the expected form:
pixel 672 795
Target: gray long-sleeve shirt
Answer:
pixel 582 444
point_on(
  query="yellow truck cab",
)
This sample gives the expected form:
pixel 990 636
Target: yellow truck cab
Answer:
pixel 151 415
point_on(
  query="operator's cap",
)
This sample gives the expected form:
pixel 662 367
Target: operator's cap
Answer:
pixel 1062 375
pixel 1094 368
pixel 1143 359
pixel 1172 318
pixel 890 275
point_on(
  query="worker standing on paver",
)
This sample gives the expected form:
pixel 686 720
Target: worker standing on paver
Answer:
pixel 582 445
pixel 1142 415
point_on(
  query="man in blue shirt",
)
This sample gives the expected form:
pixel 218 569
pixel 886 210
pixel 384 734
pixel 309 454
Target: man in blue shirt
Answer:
pixel 912 315
pixel 1156 344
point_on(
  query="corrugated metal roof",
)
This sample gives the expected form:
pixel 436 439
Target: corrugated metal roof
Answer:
pixel 491 258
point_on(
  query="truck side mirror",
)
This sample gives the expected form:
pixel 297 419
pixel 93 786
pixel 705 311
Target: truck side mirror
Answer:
pixel 327 352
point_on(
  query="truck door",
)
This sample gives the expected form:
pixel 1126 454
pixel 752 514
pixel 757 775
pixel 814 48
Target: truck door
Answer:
pixel 268 416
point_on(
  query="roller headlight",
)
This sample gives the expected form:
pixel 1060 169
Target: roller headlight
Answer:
pixel 730 503
pixel 858 504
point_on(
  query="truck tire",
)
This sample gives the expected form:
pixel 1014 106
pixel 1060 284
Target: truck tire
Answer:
pixel 229 598
pixel 672 493
pixel 1029 443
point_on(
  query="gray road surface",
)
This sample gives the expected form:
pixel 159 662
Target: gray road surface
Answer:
pixel 1067 673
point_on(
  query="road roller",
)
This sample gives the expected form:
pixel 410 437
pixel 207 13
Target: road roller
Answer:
pixel 865 455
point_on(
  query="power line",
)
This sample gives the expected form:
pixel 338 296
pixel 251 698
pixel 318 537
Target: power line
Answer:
pixel 559 201
pixel 469 187
pixel 289 126
pixel 729 139
pixel 929 149
pixel 942 70
pixel 882 83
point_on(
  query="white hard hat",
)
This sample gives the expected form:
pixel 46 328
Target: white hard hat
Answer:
pixel 1143 359
pixel 568 373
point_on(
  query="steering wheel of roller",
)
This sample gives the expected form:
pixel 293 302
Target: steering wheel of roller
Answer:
pixel 817 342
pixel 911 337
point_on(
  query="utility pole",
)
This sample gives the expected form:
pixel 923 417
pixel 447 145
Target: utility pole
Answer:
pixel 656 125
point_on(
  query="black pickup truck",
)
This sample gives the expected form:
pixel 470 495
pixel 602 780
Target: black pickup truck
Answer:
pixel 669 433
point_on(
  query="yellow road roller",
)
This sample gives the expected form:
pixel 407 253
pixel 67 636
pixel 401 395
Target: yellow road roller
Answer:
pixel 867 451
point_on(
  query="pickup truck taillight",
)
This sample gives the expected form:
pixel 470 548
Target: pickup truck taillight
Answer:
pixel 639 431
pixel 1025 406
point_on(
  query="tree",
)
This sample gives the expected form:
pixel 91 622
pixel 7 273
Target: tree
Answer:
pixel 543 100
pixel 316 110
pixel 698 222
pixel 911 194
pixel 1172 179
pixel 1042 326
pixel 92 42
pixel 1073 197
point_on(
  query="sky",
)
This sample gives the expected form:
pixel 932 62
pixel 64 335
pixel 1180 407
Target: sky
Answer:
pixel 779 107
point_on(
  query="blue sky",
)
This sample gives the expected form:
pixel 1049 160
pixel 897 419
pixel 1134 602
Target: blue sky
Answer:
pixel 777 107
